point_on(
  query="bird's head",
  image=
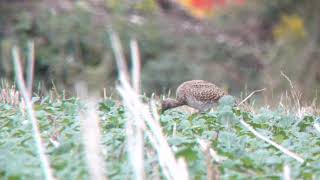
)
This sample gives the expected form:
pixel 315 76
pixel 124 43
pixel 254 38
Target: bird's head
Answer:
pixel 168 104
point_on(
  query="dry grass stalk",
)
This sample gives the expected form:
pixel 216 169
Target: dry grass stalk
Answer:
pixel 10 96
pixel 251 94
pixel 214 155
pixel 316 124
pixel 281 148
pixel 29 107
pixel 119 56
pixel 135 72
pixel 144 121
pixel 212 171
pixel 135 146
pixel 104 94
pixel 91 135
pixel 30 70
pixel 134 129
pixel 286 172
pixel 91 138
pixel 137 128
pixel 294 99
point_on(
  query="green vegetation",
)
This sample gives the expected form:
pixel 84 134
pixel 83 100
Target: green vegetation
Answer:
pixel 244 155
pixel 262 44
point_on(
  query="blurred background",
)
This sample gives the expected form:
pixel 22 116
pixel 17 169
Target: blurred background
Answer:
pixel 241 45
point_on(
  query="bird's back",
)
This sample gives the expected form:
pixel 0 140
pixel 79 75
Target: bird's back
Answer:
pixel 199 90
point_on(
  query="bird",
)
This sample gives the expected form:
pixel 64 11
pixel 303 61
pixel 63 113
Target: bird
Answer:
pixel 198 94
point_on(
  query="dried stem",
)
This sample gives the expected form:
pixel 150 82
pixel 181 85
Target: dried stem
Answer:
pixel 118 53
pixel 134 129
pixel 286 172
pixel 91 138
pixel 212 152
pixel 104 94
pixel 212 171
pixel 288 79
pixel 251 94
pixel 144 121
pixel 91 135
pixel 135 71
pixel 284 150
pixel 295 95
pixel 316 125
pixel 29 107
pixel 137 143
pixel 172 168
pixel 30 70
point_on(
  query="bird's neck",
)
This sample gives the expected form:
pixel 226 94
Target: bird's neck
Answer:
pixel 175 103
pixel 172 103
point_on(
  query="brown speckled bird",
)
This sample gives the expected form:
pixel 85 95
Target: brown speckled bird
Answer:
pixel 199 94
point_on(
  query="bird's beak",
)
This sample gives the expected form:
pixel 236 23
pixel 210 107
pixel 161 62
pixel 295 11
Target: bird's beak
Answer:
pixel 160 111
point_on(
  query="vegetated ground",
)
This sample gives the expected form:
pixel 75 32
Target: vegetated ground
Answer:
pixel 244 155
pixel 236 48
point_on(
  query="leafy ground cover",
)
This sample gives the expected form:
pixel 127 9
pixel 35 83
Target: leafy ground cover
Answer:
pixel 244 155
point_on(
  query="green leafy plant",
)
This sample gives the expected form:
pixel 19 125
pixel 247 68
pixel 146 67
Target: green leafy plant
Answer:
pixel 244 155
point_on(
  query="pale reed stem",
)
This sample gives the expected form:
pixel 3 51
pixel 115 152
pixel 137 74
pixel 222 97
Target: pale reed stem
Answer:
pixel 29 107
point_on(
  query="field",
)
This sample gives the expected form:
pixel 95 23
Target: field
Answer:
pixel 239 153
pixel 124 137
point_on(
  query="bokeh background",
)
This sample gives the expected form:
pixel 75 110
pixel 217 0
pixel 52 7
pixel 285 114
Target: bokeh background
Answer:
pixel 241 45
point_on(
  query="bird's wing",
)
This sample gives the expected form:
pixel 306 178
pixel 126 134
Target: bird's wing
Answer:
pixel 199 90
pixel 206 93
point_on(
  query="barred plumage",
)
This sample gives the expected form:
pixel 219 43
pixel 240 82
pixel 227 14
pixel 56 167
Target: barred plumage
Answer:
pixel 198 94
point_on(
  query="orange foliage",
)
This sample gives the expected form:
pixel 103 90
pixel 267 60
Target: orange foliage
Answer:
pixel 202 4
pixel 204 8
